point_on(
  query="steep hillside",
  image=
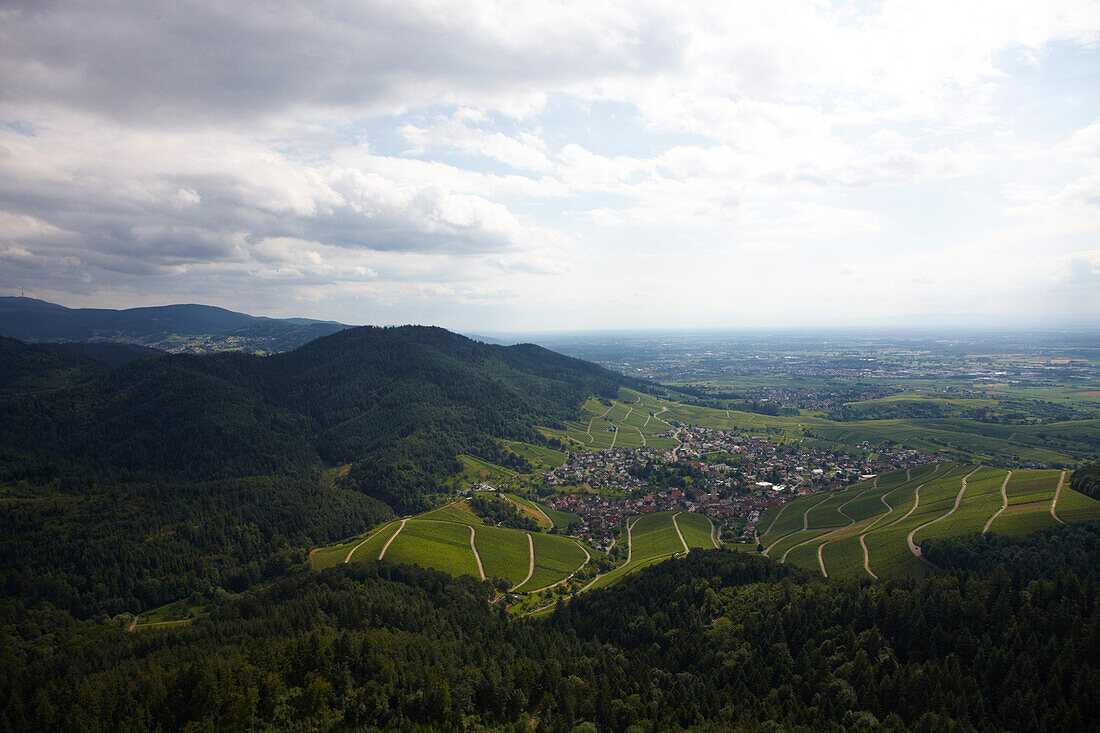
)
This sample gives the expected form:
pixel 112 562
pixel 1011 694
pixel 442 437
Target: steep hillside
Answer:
pixel 398 403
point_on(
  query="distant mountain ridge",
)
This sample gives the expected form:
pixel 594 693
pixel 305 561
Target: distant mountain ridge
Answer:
pixel 182 328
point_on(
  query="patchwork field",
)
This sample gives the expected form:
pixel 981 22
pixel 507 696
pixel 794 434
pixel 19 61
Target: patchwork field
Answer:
pixel 874 528
pixel 635 420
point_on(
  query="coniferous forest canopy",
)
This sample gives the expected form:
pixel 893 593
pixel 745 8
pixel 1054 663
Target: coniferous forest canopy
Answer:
pixel 713 641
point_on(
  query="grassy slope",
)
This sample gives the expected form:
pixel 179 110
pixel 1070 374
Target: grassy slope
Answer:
pixel 560 518
pixel 696 529
pixel 440 539
pixel 433 544
pixel 541 457
pixel 326 557
pixel 505 553
pixel 981 501
pixel 531 509
pixel 1076 507
pixel 555 558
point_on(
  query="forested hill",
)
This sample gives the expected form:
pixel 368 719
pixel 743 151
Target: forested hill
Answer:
pixel 397 403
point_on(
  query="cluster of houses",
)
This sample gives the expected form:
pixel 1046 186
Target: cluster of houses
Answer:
pixel 743 476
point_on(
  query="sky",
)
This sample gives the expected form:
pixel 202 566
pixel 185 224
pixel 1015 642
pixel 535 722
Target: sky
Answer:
pixel 545 166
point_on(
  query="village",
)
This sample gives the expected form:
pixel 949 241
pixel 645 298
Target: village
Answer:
pixel 730 476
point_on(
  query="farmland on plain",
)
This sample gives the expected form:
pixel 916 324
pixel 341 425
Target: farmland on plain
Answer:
pixel 617 425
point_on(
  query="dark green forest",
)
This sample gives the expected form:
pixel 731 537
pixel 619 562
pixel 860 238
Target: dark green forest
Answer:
pixel 397 403
pixel 1086 480
pixel 497 510
pixel 713 641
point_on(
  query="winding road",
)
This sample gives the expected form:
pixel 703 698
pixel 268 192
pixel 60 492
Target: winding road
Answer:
pixel 958 500
pixel 629 552
pixel 391 539
pixel 1054 503
pixel 805 526
pixel 587 558
pixel 852 520
pixel 775 519
pixel 1004 503
pixel 523 507
pixel 530 569
pixel 477 557
pixel 680 534
pixel 369 537
pixel 889 511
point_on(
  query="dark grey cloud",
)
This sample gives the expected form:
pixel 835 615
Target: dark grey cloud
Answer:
pixel 210 60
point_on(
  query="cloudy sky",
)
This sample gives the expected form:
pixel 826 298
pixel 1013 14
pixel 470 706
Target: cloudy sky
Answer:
pixel 554 165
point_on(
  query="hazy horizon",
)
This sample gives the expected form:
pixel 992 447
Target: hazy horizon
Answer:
pixel 920 324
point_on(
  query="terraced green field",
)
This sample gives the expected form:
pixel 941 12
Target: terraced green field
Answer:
pixel 653 538
pixel 1075 507
pixel 440 539
pixel 633 417
pixel 440 545
pixel 327 557
pixel 883 515
pixel 505 553
pixel 555 558
pixel 981 500
pixel 654 535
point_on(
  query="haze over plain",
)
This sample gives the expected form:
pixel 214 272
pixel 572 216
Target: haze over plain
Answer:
pixel 538 166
